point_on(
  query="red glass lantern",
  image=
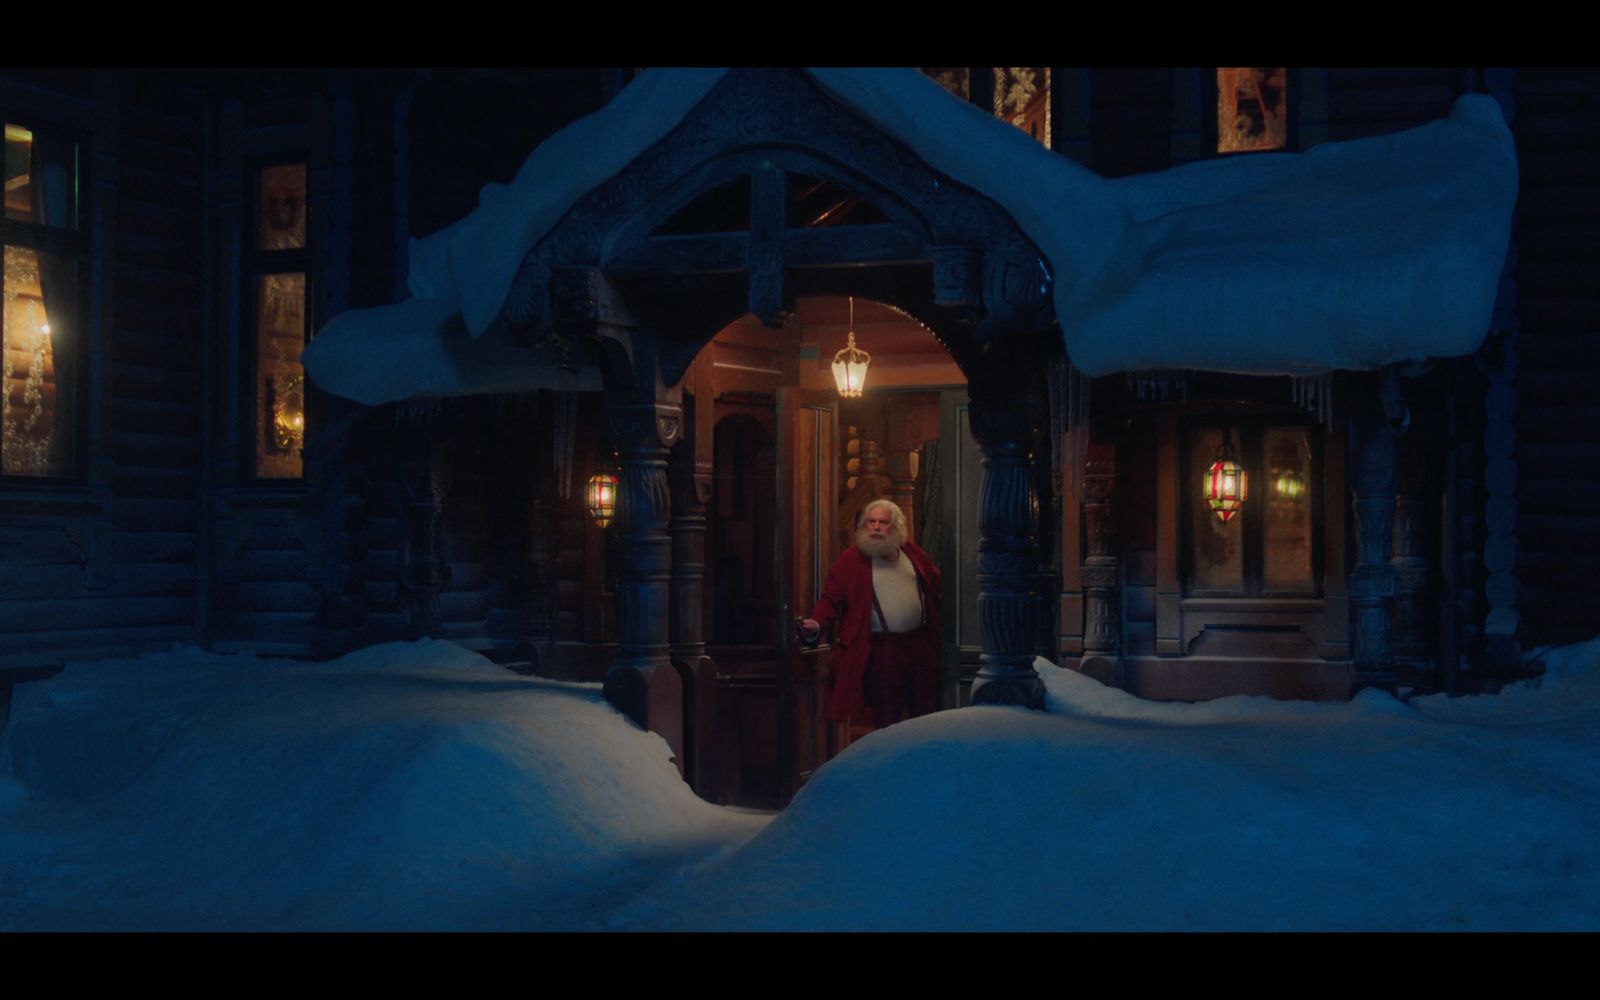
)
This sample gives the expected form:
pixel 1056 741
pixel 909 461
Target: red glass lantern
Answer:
pixel 1226 485
pixel 601 498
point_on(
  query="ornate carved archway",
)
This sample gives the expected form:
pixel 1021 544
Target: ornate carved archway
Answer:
pixel 708 224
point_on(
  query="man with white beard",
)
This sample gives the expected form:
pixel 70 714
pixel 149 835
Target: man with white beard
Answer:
pixel 882 596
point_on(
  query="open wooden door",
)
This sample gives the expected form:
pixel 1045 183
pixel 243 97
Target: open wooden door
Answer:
pixel 807 491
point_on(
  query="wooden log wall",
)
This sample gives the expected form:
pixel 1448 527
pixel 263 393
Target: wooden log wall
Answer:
pixel 106 565
pixel 1557 418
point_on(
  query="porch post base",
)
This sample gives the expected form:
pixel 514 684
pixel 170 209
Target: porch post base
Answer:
pixel 1022 687
pixel 651 694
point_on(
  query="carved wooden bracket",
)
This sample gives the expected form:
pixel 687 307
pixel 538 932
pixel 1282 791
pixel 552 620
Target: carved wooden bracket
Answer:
pixel 955 276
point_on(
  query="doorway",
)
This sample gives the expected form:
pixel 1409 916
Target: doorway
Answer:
pixel 792 464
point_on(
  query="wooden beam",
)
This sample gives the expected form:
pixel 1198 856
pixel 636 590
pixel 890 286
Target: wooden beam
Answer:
pixel 767 199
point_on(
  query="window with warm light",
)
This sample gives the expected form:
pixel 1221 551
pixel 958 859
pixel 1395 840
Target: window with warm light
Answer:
pixel 1021 94
pixel 40 305
pixel 1252 109
pixel 1267 546
pixel 278 299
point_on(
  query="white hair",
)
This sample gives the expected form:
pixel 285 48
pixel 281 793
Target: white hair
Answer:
pixel 897 515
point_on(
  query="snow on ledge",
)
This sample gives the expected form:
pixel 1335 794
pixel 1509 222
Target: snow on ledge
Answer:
pixel 1353 255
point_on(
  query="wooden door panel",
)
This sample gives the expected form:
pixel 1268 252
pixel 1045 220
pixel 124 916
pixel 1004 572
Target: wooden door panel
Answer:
pixel 807 492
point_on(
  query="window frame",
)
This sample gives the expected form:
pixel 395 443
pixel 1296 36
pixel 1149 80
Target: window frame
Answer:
pixel 1249 434
pixel 256 264
pixel 77 244
pixel 1291 108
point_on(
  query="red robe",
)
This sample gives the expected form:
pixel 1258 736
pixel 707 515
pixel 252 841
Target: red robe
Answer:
pixel 847 598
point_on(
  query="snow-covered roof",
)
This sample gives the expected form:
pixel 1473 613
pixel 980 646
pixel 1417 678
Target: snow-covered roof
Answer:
pixel 1353 255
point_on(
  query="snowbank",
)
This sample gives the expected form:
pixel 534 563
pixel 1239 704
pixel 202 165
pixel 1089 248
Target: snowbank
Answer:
pixel 1243 814
pixel 417 786
pixel 403 787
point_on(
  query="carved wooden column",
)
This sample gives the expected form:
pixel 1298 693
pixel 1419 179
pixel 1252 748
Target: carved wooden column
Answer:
pixel 1410 561
pixel 642 682
pixel 689 477
pixel 1005 423
pixel 1101 570
pixel 903 489
pixel 1372 581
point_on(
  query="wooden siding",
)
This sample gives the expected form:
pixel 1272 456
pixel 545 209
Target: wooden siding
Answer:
pixel 1557 129
pixel 108 567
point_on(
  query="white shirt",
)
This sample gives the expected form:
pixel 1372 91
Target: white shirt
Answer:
pixel 895 583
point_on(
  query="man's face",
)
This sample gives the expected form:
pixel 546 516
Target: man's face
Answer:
pixel 877 535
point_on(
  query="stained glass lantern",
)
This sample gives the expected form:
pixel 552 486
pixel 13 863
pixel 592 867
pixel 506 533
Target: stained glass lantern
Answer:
pixel 1288 484
pixel 850 364
pixel 601 498
pixel 1226 485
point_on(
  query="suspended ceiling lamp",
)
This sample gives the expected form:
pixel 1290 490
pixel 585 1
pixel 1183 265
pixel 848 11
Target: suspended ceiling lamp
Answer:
pixel 1226 486
pixel 850 364
pixel 601 498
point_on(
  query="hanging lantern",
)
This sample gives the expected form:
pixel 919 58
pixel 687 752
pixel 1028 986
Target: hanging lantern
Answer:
pixel 601 498
pixel 1226 486
pixel 850 364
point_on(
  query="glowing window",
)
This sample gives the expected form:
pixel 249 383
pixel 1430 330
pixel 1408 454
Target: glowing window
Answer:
pixel 1022 97
pixel 1268 547
pixel 40 301
pixel 1252 109
pixel 278 296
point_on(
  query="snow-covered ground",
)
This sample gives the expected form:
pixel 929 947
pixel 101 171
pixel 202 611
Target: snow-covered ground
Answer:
pixel 417 786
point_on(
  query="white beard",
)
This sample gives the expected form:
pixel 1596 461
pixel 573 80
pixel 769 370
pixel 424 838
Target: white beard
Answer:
pixel 886 547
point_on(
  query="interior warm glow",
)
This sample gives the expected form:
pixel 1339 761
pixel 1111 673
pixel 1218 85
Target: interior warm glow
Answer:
pixel 850 364
pixel 601 498
pixel 27 371
pixel 1226 487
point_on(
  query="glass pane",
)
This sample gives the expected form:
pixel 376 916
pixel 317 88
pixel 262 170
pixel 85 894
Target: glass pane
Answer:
pixel 1216 552
pixel 41 178
pixel 951 78
pixel 39 311
pixel 282 218
pixel 1251 108
pixel 1289 489
pixel 19 173
pixel 280 413
pixel 1022 97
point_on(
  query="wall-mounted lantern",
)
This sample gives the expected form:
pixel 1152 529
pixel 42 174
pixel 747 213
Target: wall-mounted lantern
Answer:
pixel 1226 485
pixel 601 498
pixel 850 364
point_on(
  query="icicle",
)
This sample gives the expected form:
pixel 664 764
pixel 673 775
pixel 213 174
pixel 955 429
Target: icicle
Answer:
pixel 565 420
pixel 1075 414
pixel 412 412
pixel 1059 418
pixel 1314 394
pixel 1158 385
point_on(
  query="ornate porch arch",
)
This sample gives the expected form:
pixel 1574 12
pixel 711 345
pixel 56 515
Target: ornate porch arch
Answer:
pixel 613 280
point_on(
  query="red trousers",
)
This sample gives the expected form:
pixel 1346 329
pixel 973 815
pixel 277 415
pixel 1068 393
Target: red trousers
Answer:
pixel 902 678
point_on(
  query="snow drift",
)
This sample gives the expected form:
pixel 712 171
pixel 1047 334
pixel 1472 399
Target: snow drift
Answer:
pixel 417 786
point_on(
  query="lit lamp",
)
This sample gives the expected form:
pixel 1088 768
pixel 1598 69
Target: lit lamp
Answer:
pixel 288 402
pixel 850 364
pixel 601 498
pixel 1226 486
